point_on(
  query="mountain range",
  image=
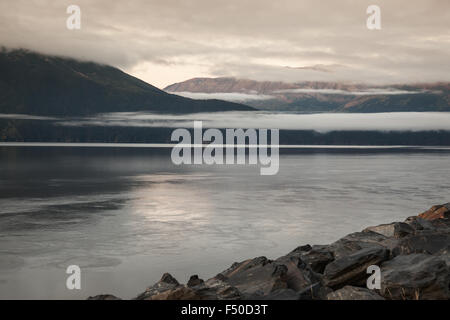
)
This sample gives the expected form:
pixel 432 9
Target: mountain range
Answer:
pixel 53 89
pixel 312 97
pixel 43 85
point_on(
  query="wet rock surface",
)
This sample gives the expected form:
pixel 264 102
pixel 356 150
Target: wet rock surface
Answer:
pixel 413 256
pixel 415 276
pixel 352 269
pixel 437 212
pixel 396 229
pixel 354 293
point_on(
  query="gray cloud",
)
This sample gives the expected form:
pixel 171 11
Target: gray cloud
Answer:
pixel 169 41
pixel 227 96
pixel 394 121
pixel 368 92
pixel 23 117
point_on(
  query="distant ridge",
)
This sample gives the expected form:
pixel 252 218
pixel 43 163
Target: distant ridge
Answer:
pixel 37 84
pixel 313 96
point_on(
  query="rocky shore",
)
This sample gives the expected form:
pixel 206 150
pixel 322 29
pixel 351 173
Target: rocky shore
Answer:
pixel 413 257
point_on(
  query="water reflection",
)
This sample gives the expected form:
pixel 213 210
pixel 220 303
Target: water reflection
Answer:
pixel 126 216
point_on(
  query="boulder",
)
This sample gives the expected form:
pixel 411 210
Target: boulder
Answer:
pixel 395 229
pixel 217 289
pixel 315 291
pixel 168 288
pixel 166 284
pixel 415 276
pixel 354 293
pixel 419 224
pixel 425 241
pixel 194 281
pixel 318 258
pixel 257 277
pixel 301 249
pixel 356 241
pixel 441 224
pixel 352 269
pixel 298 275
pixel 444 254
pixel 437 212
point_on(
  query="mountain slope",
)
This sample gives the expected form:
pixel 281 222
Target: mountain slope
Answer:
pixel 321 96
pixel 36 84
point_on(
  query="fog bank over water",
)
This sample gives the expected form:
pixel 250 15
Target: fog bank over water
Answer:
pixel 227 96
pixel 324 122
pixel 245 97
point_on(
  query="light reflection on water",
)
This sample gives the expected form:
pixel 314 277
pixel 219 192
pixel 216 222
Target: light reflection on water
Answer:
pixel 127 216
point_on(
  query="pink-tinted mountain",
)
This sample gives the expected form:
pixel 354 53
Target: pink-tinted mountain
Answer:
pixel 320 96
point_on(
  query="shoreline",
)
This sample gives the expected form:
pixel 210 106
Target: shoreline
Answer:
pixel 413 259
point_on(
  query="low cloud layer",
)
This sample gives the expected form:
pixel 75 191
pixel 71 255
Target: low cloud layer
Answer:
pixel 395 121
pixel 247 97
pixel 232 96
pixel 368 92
pixel 170 41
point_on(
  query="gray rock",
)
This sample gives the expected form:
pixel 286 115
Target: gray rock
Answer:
pixel 300 249
pixel 356 241
pixel 168 288
pixel 354 293
pixel 395 229
pixel 194 281
pixel 444 254
pixel 402 229
pixel 315 291
pixel 298 274
pixel 419 224
pixel 167 278
pixel 217 289
pixel 425 241
pixel 167 283
pixel 415 276
pixel 318 258
pixel 257 277
pixel 352 269
pixel 441 225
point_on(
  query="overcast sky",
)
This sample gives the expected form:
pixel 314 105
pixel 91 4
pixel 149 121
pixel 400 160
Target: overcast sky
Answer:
pixel 168 41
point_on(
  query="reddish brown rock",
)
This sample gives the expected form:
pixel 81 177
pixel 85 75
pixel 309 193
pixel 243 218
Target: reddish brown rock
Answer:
pixel 437 212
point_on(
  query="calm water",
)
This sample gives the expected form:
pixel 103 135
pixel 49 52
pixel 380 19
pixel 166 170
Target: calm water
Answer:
pixel 126 216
